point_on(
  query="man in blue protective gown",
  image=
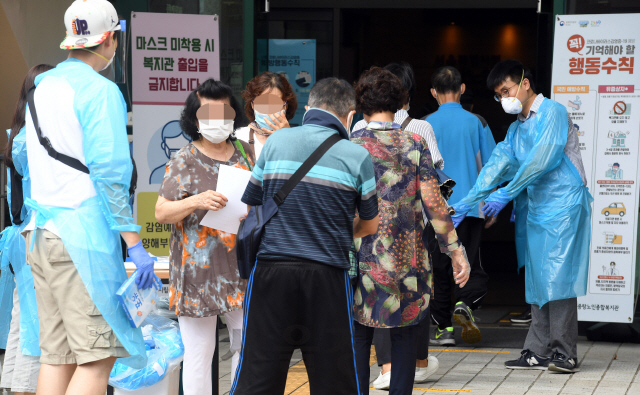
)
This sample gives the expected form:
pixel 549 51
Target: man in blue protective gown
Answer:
pixel 80 169
pixel 540 155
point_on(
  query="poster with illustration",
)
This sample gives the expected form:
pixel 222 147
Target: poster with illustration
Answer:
pixel 595 78
pixel 171 55
pixel 296 59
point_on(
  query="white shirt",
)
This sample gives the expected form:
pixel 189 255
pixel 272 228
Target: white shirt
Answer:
pixel 417 126
pixel 243 134
pixel 52 182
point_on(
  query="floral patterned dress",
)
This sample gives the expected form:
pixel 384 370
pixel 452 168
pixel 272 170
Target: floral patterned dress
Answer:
pixel 203 277
pixel 394 286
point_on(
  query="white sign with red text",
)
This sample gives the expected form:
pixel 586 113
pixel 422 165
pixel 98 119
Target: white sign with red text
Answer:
pixel 171 55
pixel 595 76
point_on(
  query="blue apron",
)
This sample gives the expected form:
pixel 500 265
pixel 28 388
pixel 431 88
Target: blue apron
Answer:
pixel 96 251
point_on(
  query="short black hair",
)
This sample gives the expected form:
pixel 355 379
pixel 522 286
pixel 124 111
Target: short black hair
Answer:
pixel 210 89
pixel 334 95
pixel 379 90
pixel 404 72
pixel 511 69
pixel 446 79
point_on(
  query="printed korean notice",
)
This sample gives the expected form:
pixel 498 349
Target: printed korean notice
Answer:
pixel 595 78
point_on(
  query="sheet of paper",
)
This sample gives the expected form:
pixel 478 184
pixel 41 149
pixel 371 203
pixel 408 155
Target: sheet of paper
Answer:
pixel 232 182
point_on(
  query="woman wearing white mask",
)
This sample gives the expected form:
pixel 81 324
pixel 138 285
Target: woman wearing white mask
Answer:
pixel 204 279
pixel 269 104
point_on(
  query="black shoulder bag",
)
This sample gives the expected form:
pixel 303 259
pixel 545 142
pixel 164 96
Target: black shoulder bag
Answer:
pixel 252 227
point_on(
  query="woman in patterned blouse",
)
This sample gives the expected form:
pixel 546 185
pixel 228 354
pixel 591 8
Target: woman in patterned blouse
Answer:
pixel 395 274
pixel 204 279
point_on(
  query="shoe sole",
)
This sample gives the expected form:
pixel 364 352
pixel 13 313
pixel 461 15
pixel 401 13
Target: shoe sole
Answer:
pixel 527 367
pixel 517 321
pixel 554 368
pixel 447 342
pixel 470 332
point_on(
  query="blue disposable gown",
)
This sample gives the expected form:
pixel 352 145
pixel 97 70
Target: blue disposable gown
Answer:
pixel 90 232
pixel 14 251
pixel 521 207
pixel 558 220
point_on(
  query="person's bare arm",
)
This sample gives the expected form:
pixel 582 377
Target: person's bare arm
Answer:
pixel 362 227
pixel 170 212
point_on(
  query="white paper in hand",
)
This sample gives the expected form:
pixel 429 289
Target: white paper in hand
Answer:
pixel 232 182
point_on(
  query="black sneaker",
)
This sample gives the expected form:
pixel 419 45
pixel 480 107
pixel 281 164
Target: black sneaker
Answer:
pixel 463 316
pixel 524 318
pixel 560 363
pixel 443 337
pixel 528 360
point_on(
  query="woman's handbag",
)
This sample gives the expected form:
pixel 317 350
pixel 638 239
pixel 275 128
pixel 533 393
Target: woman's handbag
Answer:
pixel 252 227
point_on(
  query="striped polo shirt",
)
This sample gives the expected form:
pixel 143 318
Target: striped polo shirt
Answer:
pixel 315 222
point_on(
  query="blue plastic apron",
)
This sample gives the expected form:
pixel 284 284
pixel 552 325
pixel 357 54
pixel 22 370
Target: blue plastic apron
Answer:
pixel 96 252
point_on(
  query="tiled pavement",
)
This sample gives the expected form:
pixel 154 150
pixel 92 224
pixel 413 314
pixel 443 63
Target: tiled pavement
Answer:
pixel 606 368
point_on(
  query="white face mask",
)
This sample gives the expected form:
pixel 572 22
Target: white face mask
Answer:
pixel 216 130
pixel 511 105
pixel 110 61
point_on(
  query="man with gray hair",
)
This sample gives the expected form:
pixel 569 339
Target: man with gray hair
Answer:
pixel 299 294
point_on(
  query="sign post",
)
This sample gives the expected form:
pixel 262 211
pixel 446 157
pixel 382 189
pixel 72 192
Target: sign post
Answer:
pixel 594 76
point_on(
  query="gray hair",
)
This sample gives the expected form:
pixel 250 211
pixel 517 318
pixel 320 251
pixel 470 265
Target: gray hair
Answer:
pixel 334 95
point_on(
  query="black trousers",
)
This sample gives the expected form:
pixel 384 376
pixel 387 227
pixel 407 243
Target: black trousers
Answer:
pixel 403 357
pixel 382 341
pixel 470 234
pixel 292 305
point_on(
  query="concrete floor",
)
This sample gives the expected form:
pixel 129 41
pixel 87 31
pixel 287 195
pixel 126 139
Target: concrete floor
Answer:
pixel 605 368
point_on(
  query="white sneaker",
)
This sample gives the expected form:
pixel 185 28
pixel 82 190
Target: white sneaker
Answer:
pixel 382 382
pixel 423 374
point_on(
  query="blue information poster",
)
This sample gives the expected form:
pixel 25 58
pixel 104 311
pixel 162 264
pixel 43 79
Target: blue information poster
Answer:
pixel 296 59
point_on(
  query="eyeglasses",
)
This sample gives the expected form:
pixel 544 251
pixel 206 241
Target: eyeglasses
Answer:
pixel 504 93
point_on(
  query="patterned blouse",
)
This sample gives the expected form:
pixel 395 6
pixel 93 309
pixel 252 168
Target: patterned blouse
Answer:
pixel 203 278
pixel 395 272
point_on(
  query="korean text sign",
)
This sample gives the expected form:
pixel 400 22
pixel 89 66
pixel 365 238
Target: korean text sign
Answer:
pixel 171 55
pixel 595 77
pixel 296 59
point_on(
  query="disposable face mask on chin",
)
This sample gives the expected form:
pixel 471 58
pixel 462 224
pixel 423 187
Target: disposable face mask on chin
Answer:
pixel 216 130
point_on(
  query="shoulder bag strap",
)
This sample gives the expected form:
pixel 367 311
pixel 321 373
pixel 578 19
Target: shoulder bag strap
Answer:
pixel 405 123
pixel 304 168
pixel 46 143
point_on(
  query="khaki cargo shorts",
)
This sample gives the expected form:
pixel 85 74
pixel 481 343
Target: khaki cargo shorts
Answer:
pixel 72 330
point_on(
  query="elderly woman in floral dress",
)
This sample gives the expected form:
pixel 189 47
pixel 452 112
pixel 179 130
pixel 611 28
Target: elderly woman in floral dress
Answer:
pixel 395 275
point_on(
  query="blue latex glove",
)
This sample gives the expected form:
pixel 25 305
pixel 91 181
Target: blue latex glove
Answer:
pixel 461 212
pixel 144 264
pixel 457 218
pixel 493 208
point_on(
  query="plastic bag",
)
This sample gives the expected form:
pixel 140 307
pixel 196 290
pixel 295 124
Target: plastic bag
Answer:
pixel 164 349
pixel 164 310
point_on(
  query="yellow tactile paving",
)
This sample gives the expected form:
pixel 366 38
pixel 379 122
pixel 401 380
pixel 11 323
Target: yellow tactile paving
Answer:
pixel 298 380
